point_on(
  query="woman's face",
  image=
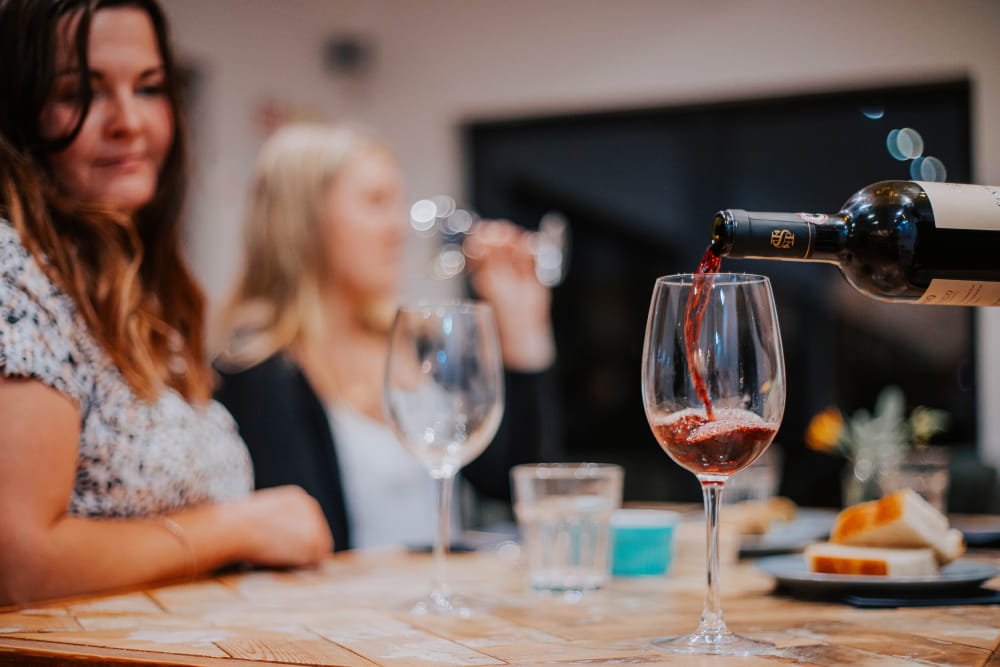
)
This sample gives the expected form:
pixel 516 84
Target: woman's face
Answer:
pixel 116 158
pixel 364 225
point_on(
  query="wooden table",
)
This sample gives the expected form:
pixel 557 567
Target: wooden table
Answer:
pixel 347 612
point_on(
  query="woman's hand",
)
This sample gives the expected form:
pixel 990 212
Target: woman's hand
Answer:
pixel 502 268
pixel 286 527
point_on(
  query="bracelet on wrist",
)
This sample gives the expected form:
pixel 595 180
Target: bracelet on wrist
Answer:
pixel 175 529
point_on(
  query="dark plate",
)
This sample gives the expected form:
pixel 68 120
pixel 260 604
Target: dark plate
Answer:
pixel 793 573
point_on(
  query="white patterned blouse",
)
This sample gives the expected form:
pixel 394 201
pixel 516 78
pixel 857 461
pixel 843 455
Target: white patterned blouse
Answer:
pixel 135 458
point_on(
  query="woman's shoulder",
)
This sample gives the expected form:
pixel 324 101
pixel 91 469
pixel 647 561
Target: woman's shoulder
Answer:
pixel 14 255
pixel 42 336
pixel 23 280
pixel 278 374
pixel 267 391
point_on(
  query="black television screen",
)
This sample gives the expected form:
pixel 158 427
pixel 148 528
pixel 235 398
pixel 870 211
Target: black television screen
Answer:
pixel 639 189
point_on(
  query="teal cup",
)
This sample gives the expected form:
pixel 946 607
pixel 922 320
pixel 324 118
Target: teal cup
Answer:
pixel 642 541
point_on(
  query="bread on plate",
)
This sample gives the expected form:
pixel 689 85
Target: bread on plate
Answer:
pixel 755 517
pixel 901 520
pixel 829 558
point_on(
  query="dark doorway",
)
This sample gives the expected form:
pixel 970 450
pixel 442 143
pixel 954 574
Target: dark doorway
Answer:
pixel 639 189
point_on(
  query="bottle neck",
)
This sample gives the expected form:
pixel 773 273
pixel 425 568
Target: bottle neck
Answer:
pixel 792 236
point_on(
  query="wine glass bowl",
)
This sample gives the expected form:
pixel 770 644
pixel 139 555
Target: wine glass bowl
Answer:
pixel 713 387
pixel 444 399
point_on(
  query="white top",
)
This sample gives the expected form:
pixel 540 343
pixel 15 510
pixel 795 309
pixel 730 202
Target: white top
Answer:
pixel 135 458
pixel 390 497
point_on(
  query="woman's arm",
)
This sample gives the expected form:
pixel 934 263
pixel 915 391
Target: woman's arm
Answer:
pixel 46 553
pixel 503 273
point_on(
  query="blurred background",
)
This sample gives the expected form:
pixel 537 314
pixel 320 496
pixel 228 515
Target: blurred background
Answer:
pixel 636 120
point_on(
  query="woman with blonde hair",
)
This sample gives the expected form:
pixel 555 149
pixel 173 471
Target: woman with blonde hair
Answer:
pixel 307 337
pixel 117 469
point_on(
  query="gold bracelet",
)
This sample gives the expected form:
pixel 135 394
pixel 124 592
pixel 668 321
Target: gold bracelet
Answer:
pixel 177 531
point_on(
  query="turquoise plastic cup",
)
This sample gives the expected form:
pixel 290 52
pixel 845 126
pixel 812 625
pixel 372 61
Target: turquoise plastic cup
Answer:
pixel 642 541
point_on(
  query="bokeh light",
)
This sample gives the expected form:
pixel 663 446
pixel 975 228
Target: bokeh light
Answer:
pixel 423 215
pixel 928 169
pixel 445 205
pixel 905 144
pixel 459 222
pixel 450 261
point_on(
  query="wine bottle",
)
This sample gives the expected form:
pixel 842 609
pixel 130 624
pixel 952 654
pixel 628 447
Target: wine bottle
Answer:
pixel 936 243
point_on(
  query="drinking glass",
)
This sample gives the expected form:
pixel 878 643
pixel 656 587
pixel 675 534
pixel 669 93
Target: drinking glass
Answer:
pixel 444 399
pixel 564 512
pixel 713 386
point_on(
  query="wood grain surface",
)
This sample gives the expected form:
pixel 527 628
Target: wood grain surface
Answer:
pixel 350 611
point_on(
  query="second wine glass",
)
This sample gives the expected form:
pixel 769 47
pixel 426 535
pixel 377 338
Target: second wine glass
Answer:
pixel 444 398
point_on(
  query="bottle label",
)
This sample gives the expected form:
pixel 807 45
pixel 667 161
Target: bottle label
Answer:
pixel 961 293
pixel 957 206
pixel 777 235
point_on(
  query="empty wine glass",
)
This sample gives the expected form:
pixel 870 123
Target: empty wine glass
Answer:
pixel 453 225
pixel 444 399
pixel 713 386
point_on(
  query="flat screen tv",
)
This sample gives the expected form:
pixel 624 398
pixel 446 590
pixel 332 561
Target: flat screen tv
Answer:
pixel 639 188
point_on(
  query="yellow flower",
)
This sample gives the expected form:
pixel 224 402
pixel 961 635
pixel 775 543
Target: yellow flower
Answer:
pixel 925 423
pixel 824 430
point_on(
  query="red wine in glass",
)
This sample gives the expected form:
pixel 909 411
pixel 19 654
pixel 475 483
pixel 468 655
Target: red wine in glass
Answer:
pixel 719 445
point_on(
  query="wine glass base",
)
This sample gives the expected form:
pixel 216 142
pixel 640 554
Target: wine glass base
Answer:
pixel 443 603
pixel 723 643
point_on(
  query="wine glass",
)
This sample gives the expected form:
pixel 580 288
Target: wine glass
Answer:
pixel 444 398
pixel 549 245
pixel 713 386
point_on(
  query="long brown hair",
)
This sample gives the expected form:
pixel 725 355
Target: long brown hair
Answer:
pixel 126 275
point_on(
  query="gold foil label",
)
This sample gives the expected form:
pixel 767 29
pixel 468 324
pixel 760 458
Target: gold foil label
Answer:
pixel 782 239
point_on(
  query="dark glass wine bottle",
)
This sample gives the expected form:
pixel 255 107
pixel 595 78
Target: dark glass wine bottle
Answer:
pixel 898 240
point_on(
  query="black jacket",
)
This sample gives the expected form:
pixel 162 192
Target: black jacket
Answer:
pixel 286 429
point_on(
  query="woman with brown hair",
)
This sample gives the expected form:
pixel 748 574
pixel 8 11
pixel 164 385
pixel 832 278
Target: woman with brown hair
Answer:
pixel 118 468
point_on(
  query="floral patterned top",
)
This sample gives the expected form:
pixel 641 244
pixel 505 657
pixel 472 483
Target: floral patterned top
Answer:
pixel 136 458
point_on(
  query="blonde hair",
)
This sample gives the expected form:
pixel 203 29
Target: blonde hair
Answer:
pixel 277 302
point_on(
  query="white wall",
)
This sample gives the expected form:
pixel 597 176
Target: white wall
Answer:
pixel 444 61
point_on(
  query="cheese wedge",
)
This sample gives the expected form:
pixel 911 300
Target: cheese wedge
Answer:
pixel 901 520
pixel 829 558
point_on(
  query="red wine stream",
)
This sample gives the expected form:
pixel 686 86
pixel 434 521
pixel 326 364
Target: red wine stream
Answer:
pixel 694 313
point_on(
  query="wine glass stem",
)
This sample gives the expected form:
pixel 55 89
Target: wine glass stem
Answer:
pixel 711 615
pixel 445 486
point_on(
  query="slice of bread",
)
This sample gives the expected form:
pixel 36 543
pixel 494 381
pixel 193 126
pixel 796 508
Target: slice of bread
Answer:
pixel 755 517
pixel 829 558
pixel 900 520
pixel 951 547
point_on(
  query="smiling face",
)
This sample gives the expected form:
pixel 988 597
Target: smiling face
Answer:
pixel 364 226
pixel 115 159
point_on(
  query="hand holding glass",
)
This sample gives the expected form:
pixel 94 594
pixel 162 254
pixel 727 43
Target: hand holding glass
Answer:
pixel 713 386
pixel 444 399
